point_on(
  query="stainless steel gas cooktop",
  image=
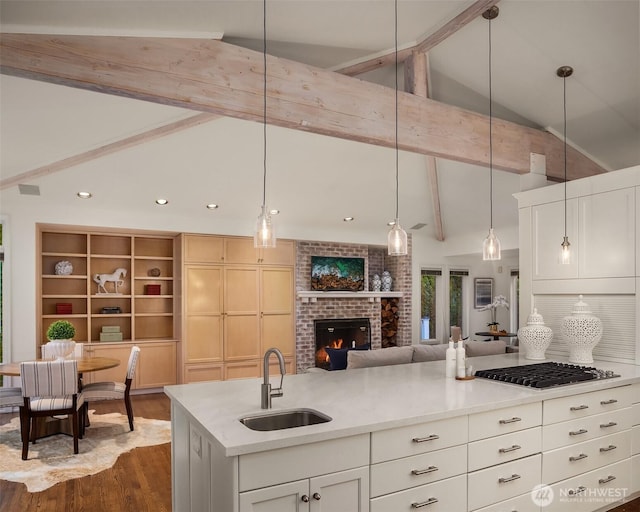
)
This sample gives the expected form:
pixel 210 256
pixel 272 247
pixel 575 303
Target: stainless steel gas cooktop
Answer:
pixel 544 375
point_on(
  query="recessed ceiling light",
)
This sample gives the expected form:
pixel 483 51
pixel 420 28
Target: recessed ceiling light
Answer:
pixel 212 206
pixel 84 195
pixel 162 201
pixel 348 219
pixel 274 212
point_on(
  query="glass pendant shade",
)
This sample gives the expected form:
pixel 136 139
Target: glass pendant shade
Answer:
pixel 265 235
pixel 491 247
pixel 397 240
pixel 565 251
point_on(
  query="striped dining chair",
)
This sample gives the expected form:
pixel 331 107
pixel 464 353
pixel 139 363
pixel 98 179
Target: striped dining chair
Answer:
pixel 110 390
pixel 49 388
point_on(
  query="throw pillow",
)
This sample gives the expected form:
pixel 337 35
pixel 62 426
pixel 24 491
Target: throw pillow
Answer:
pixel 381 357
pixel 338 356
pixel 422 353
pixel 485 348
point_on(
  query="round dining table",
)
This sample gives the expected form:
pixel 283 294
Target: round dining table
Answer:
pixel 85 364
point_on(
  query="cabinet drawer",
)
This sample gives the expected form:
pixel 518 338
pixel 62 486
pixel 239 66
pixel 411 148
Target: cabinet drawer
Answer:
pixel 414 439
pixel 399 474
pixel 295 462
pixel 593 490
pixel 635 440
pixel 522 503
pixel 497 450
pixel 635 473
pixel 635 408
pixel 443 496
pixel 576 431
pixel 580 458
pixel 502 482
pixel 503 421
pixel 585 404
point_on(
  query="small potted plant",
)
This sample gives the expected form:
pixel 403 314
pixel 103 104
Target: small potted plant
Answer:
pixel 60 334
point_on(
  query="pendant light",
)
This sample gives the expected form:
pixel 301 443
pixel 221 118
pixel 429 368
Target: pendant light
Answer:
pixel 565 252
pixel 491 244
pixel 265 235
pixel 397 238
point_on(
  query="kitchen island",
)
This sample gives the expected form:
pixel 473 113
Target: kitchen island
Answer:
pixel 381 418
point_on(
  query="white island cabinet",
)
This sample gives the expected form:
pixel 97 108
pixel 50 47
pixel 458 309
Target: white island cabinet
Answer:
pixel 403 438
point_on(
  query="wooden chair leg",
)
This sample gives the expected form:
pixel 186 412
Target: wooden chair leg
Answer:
pixel 25 423
pixel 127 403
pixel 76 428
pixel 34 429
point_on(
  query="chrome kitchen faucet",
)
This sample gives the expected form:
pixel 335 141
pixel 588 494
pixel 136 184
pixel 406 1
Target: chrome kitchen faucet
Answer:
pixel 266 392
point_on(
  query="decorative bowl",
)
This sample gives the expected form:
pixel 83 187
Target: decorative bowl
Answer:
pixel 60 349
pixel 63 268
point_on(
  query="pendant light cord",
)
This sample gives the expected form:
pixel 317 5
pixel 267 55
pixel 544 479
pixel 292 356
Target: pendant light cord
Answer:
pixel 264 118
pixel 564 103
pixel 490 136
pixel 396 47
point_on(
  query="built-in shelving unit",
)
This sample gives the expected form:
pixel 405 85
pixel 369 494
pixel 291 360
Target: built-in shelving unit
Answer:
pixel 145 297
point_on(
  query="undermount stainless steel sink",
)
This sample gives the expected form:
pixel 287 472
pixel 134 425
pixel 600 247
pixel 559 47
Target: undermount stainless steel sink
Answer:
pixel 284 419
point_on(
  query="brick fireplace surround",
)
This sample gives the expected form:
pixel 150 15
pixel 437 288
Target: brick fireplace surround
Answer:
pixel 376 260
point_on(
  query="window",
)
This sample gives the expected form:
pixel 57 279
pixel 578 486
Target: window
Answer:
pixel 457 309
pixel 514 302
pixel 430 298
pixel 1 298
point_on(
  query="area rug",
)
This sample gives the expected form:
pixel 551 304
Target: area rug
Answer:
pixel 51 460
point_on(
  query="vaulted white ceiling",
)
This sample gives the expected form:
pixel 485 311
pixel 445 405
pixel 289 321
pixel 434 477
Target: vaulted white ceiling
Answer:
pixel 315 181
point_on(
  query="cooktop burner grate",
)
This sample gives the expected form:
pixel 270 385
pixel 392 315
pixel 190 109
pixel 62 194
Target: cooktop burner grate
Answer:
pixel 544 375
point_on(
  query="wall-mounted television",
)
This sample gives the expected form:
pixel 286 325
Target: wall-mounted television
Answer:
pixel 332 273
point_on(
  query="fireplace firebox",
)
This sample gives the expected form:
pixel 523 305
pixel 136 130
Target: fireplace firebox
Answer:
pixel 339 333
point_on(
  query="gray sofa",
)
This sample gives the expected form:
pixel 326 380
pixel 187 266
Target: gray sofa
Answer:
pixel 418 353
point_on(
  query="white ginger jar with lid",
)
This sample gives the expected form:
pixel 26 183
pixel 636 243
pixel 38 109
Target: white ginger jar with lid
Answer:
pixel 535 337
pixel 387 280
pixel 581 331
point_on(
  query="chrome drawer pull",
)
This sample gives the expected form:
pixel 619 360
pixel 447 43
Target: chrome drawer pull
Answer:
pixel 609 402
pixel 610 424
pixel 579 490
pixel 579 457
pixel 579 408
pixel 430 469
pixel 608 448
pixel 510 449
pixel 432 437
pixel 603 481
pixel 508 479
pixel 430 501
pixel 512 420
pixel 578 432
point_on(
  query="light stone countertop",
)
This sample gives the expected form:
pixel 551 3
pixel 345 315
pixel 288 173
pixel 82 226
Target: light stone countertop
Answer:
pixel 364 400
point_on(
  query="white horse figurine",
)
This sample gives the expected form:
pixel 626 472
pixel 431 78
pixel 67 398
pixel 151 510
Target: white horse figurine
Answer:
pixel 115 278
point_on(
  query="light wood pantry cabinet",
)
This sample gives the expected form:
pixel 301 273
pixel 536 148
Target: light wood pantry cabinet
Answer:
pixel 134 304
pixel 235 307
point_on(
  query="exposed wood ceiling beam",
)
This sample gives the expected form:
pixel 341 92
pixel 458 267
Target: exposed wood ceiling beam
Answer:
pixel 417 82
pixel 107 149
pixel 216 77
pixel 426 43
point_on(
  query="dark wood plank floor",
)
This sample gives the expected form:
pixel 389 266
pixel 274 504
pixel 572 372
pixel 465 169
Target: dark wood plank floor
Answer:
pixel 139 481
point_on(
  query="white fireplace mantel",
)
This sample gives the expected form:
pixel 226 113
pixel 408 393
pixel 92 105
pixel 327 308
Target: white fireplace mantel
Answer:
pixel 313 296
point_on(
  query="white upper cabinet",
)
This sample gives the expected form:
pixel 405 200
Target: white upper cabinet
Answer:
pixel 547 234
pixel 601 230
pixel 607 234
